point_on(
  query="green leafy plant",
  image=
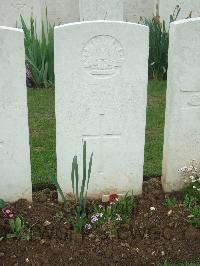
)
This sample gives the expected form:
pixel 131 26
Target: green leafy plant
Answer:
pixel 58 216
pixel 64 199
pixel 159 44
pixel 80 195
pixel 39 52
pixel 2 204
pixel 170 202
pixel 158 48
pixel 112 214
pixel 191 175
pixel 16 226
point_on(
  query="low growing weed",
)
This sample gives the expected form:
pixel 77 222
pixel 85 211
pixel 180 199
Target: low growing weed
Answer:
pixel 15 222
pixel 170 202
pixel 111 215
pixel 191 175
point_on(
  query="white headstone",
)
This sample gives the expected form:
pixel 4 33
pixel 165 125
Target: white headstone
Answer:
pixel 101 93
pixel 101 10
pixel 10 11
pixel 182 128
pixel 15 171
pixel 135 9
pixel 167 7
pixel 61 11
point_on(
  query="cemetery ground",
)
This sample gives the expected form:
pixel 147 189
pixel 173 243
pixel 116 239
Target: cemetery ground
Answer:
pixel 155 232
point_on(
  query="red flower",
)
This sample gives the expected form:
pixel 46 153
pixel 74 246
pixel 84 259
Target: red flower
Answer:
pixel 112 198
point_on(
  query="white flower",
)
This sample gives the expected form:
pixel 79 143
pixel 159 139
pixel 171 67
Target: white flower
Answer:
pixel 99 214
pixel 119 218
pixel 152 208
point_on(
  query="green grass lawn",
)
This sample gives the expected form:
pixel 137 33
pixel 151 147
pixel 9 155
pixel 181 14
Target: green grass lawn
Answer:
pixel 42 132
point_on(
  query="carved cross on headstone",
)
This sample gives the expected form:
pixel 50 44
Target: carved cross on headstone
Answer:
pixel 101 137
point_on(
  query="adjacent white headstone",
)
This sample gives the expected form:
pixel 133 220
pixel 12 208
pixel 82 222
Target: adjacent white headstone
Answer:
pixel 167 7
pixel 61 11
pixel 182 128
pixel 135 9
pixel 101 10
pixel 10 11
pixel 15 171
pixel 101 93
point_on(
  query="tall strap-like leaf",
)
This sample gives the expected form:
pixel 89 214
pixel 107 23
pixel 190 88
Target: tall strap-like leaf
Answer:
pixel 89 170
pixel 73 175
pixel 77 178
pixel 55 182
pixel 84 171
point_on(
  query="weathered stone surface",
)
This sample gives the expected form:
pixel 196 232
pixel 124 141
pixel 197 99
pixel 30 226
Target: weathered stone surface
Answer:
pixel 61 11
pixel 101 10
pixel 15 171
pixel 135 9
pixel 66 11
pixel 182 128
pixel 101 90
pixel 167 7
pixel 10 11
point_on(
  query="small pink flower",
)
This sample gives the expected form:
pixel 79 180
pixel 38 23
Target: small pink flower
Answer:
pixel 9 212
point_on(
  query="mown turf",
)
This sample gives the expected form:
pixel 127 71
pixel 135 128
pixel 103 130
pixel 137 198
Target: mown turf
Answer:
pixel 42 132
pixel 155 128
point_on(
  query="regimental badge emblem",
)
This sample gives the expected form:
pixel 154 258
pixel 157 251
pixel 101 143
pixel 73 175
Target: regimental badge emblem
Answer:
pixel 103 56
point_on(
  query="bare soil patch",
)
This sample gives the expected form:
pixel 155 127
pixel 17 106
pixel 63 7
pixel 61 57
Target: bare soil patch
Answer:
pixel 152 236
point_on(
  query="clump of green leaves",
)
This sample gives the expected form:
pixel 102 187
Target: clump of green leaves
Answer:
pixel 112 214
pixel 16 222
pixel 39 52
pixel 170 202
pixel 2 204
pixel 80 195
pixel 58 216
pixel 158 48
pixel 16 226
pixel 159 44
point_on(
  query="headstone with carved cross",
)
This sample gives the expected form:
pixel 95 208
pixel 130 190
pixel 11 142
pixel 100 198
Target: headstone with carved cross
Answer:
pixel 101 10
pixel 15 170
pixel 101 90
pixel 182 127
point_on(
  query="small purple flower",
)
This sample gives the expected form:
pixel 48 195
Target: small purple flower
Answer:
pixel 9 212
pixel 88 227
pixel 29 81
pixel 94 219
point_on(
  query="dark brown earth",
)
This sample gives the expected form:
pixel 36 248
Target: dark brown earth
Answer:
pixel 150 238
